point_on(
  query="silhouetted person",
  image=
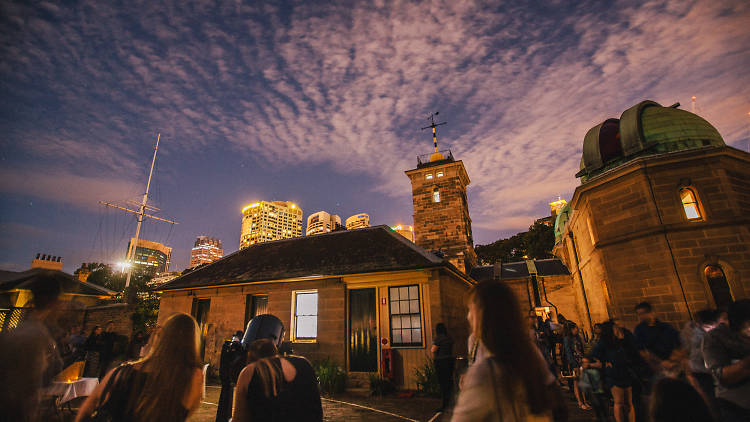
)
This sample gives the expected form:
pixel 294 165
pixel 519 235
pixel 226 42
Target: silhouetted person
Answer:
pixel 109 337
pixel 231 362
pixel 135 346
pixel 29 357
pixel 93 347
pixel 673 400
pixel 442 352
pixel 616 353
pixel 692 339
pixel 164 386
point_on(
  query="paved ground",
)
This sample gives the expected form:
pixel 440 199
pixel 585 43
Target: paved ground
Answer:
pixel 388 408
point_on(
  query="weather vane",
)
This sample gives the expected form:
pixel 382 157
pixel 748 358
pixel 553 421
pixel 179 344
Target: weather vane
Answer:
pixel 434 126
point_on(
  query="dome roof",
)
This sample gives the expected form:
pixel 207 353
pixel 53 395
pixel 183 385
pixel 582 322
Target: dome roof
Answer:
pixel 644 129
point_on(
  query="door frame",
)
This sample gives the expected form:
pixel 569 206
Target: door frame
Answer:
pixel 347 317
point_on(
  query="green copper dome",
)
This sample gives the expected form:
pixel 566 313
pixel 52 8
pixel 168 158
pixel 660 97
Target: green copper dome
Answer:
pixel 644 129
pixel 562 217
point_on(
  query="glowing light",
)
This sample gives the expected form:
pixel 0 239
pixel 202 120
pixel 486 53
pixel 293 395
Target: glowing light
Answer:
pixel 250 206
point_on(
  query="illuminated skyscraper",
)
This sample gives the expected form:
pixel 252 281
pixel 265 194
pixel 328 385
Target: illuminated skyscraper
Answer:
pixel 358 221
pixel 266 221
pixel 322 222
pixel 205 250
pixel 406 231
pixel 150 257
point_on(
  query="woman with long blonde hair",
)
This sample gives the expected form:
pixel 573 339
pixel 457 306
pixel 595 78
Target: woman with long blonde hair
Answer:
pixel 511 382
pixel 165 385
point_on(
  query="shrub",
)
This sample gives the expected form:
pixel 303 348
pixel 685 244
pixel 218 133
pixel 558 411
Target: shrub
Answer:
pixel 331 377
pixel 427 380
pixel 380 385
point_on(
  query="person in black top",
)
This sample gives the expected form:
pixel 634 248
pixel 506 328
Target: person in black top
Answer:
pixel 274 388
pixel 231 362
pixel 657 340
pixel 107 354
pixel 442 352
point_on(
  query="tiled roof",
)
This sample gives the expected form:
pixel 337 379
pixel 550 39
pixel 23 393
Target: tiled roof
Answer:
pixel 366 250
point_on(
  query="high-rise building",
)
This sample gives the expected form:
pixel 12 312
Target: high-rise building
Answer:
pixel 322 222
pixel 406 231
pixel 205 250
pixel 441 211
pixel 149 257
pixel 266 221
pixel 358 221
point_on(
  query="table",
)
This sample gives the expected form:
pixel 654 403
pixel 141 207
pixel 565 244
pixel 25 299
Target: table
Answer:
pixel 67 391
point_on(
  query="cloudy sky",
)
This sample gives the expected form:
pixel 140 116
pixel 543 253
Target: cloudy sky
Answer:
pixel 321 103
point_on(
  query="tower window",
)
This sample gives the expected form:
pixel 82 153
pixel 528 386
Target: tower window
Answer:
pixel 436 196
pixel 690 204
pixel 428 176
pixel 440 174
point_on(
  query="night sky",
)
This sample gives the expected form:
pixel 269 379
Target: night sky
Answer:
pixel 321 104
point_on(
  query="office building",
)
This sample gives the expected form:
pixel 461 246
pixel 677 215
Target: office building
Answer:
pixel 322 222
pixel 205 250
pixel 358 221
pixel 406 231
pixel 266 221
pixel 149 257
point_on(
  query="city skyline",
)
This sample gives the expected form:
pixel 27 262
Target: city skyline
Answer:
pixel 322 105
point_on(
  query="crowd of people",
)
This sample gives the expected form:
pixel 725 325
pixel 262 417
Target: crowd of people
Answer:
pixel 648 374
pixel 518 371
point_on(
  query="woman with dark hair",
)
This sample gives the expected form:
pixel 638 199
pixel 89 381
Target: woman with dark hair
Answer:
pixel 93 347
pixel 573 352
pixel 275 388
pixel 166 385
pixel 616 353
pixel 512 382
pixel 442 352
pixel 673 400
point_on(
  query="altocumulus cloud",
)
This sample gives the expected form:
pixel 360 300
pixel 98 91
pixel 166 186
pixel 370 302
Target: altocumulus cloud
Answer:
pixel 337 83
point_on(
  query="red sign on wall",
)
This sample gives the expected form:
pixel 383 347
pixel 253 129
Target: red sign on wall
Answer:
pixel 383 301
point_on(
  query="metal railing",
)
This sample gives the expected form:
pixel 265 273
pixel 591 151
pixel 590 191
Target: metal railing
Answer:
pixel 425 159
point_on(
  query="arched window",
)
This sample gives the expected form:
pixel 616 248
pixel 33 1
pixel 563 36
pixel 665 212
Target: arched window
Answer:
pixel 436 195
pixel 717 283
pixel 690 204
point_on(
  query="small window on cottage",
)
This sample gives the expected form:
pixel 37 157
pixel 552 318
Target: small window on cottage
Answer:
pixel 436 196
pixel 305 315
pixel 440 174
pixel 690 204
pixel 428 176
pixel 406 317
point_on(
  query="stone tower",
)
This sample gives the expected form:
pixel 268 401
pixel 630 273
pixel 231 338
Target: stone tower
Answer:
pixel 441 211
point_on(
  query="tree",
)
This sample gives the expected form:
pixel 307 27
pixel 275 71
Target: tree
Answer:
pixel 536 243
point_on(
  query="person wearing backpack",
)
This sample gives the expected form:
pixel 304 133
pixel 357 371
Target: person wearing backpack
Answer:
pixel 164 386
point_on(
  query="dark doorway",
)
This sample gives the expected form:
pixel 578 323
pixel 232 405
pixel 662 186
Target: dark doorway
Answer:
pixel 363 334
pixel 255 305
pixel 719 286
pixel 200 313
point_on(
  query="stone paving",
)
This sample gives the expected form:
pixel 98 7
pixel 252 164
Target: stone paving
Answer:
pixel 389 408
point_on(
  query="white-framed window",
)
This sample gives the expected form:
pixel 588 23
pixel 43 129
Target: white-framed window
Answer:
pixel 440 174
pixel 690 204
pixel 406 315
pixel 436 196
pixel 428 176
pixel 305 315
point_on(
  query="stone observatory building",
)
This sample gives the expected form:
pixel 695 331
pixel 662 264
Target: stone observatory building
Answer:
pixel 661 215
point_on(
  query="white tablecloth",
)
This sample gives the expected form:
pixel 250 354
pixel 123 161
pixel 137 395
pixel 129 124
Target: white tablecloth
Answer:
pixel 67 391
